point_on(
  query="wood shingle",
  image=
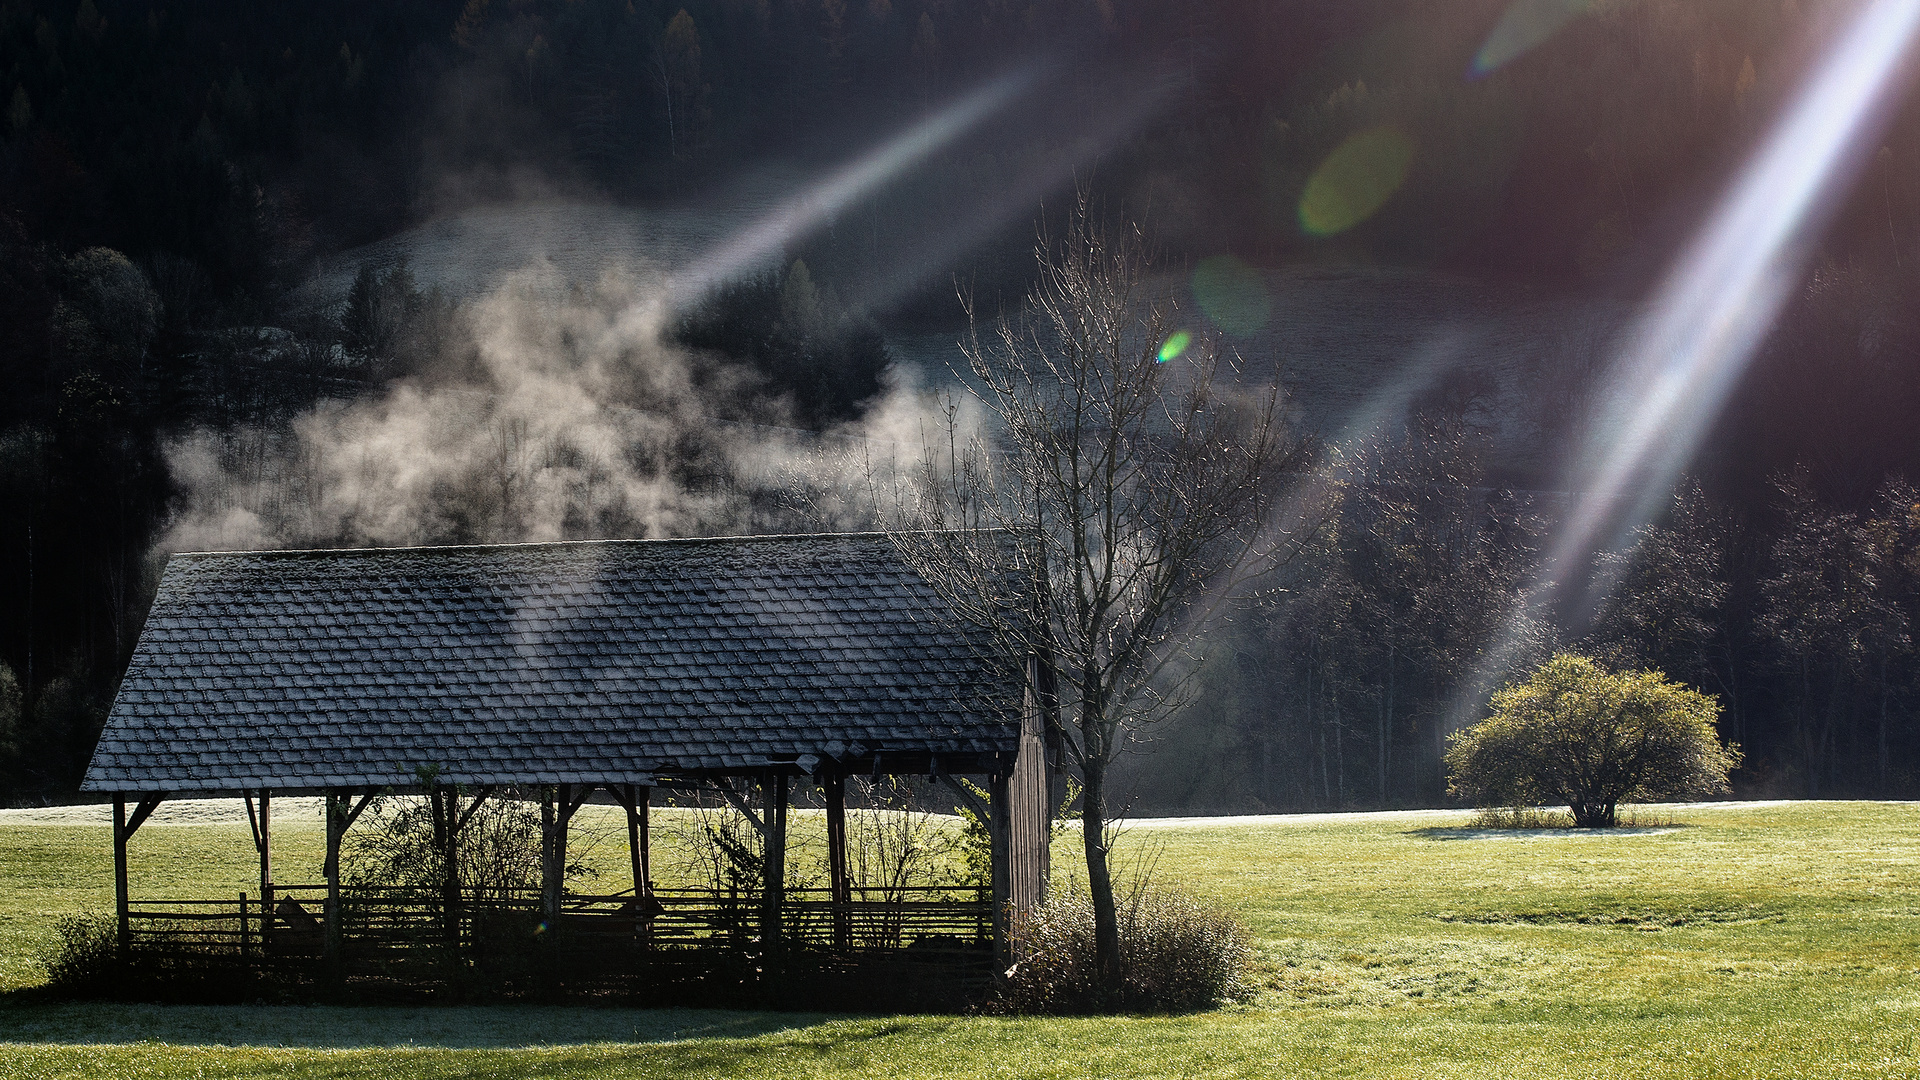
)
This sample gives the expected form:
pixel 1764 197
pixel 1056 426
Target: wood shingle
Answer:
pixel 588 662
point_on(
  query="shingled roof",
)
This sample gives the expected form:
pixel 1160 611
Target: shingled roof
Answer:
pixel 594 662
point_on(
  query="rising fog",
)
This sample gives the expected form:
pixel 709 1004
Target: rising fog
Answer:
pixel 575 417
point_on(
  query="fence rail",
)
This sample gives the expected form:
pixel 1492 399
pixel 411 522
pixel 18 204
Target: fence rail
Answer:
pixel 384 927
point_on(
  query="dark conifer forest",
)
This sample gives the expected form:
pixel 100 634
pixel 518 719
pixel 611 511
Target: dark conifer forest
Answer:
pixel 180 181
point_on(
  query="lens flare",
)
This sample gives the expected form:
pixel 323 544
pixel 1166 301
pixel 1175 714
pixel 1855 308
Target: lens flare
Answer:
pixel 764 242
pixel 1356 180
pixel 1232 294
pixel 1720 299
pixel 1524 25
pixel 1687 351
pixel 1176 344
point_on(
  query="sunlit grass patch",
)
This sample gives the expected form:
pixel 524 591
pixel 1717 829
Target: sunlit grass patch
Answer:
pixel 1623 914
pixel 1747 940
pixel 1400 971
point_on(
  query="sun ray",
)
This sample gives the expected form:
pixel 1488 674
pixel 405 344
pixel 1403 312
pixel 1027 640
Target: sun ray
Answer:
pixel 1682 357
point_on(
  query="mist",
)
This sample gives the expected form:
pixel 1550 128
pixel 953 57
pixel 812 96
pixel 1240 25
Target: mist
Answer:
pixel 347 275
pixel 577 418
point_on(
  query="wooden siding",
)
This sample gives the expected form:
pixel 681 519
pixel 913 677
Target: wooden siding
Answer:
pixel 1029 795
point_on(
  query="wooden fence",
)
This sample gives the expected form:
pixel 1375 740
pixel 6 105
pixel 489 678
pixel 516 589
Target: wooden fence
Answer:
pixel 394 931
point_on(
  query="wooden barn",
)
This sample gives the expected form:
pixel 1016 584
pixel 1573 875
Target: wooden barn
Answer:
pixel 735 667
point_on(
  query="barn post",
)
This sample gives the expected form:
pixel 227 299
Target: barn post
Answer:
pixel 636 797
pixel 266 865
pixel 838 880
pixel 774 863
pixel 634 852
pixel 571 796
pixel 334 802
pixel 124 936
pixel 551 855
pixel 449 798
pixel 642 796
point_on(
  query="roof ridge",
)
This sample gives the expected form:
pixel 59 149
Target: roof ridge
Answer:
pixel 560 544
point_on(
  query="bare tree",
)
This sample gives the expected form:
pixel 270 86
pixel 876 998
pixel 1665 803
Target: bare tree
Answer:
pixel 1141 487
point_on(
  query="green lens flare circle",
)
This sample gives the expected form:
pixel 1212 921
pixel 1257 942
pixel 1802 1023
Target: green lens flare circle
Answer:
pixel 1356 180
pixel 1232 294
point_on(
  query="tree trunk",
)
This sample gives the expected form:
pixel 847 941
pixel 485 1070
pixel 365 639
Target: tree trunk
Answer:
pixel 1882 792
pixel 1806 732
pixel 1340 756
pixel 1386 728
pixel 1106 919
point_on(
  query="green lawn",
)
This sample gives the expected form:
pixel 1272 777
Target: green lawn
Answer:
pixel 1748 941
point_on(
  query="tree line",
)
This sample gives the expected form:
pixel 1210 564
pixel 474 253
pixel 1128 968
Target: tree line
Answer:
pixel 169 174
pixel 1341 685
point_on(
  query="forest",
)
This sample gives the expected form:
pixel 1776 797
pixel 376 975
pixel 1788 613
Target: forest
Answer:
pixel 173 177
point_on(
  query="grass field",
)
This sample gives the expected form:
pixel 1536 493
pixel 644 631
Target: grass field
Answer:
pixel 1748 940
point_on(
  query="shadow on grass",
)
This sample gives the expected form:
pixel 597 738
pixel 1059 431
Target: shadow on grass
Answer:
pixel 1462 832
pixel 29 1018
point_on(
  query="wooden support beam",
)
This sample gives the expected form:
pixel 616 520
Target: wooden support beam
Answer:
pixel 448 819
pixel 641 797
pixel 148 804
pixel 342 803
pixel 840 882
pixel 556 819
pixel 551 857
pixel 479 796
pixel 637 799
pixel 262 826
pixel 359 808
pixel 740 803
pixel 253 819
pixel 1030 802
pixel 968 798
pixel 999 821
pixel 774 859
pixel 335 802
pixel 125 932
pixel 643 804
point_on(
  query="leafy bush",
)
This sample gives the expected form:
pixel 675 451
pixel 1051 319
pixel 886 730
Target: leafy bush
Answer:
pixel 1177 954
pixel 1532 817
pixel 975 845
pixel 896 844
pixel 1520 817
pixel 86 961
pixel 499 847
pixel 1577 734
